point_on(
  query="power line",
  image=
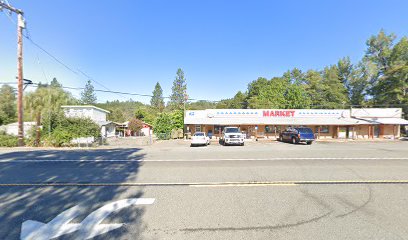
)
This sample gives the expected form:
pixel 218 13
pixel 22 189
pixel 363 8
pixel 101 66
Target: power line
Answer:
pixel 77 72
pixel 116 92
pixel 191 99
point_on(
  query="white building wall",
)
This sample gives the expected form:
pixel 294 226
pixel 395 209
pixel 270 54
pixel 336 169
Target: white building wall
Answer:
pixel 86 112
pixel 12 128
pixel 98 115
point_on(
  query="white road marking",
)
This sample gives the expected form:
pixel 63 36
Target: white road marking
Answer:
pixel 208 184
pixel 56 227
pixel 199 160
pixel 90 227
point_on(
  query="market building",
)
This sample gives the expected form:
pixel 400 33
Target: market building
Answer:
pixel 361 123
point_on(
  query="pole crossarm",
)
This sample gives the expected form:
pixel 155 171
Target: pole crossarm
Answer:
pixel 10 8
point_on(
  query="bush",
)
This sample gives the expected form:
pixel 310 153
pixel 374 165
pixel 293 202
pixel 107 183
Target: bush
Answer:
pixel 8 140
pixel 169 125
pixel 62 130
pixel 59 138
pixel 163 124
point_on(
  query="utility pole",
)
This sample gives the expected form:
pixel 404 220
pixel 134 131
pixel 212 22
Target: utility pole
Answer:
pixel 20 27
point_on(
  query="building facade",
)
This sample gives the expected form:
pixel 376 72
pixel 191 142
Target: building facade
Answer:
pixel 367 123
pixel 98 115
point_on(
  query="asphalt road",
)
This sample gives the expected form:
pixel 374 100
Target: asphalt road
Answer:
pixel 264 190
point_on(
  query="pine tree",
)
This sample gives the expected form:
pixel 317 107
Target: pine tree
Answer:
pixel 55 83
pixel 334 92
pixel 157 101
pixel 179 91
pixel 88 95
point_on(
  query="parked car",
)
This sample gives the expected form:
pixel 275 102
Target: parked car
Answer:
pixel 297 135
pixel 199 138
pixel 232 136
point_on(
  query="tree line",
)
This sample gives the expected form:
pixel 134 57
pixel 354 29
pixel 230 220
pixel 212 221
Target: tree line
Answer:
pixel 379 79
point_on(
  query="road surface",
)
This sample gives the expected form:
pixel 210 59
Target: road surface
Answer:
pixel 356 190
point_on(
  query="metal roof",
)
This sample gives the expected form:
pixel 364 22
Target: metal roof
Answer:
pixel 398 121
pixel 85 106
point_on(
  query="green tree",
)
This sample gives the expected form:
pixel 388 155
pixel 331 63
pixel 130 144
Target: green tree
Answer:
pixel 267 94
pixel 295 76
pixel 55 83
pixel 163 124
pixel 379 49
pixel 177 119
pixel 334 92
pixel 7 104
pixel 238 101
pixel 157 101
pixel 358 84
pixel 179 91
pixel 315 88
pixel 345 68
pixel 43 102
pixel 88 94
pixel 296 97
pixel 378 53
pixel 393 85
pixel 201 105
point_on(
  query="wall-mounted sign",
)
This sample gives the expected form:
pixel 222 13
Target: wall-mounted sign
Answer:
pixel 279 113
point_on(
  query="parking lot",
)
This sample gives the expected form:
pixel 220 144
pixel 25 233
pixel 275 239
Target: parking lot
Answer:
pixel 169 190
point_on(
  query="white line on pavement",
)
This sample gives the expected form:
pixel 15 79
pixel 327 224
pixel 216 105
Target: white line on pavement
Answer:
pixel 196 160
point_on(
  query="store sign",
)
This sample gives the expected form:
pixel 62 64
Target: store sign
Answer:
pixel 267 113
pixel 279 113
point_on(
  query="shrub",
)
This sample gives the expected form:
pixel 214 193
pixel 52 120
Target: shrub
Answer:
pixel 163 124
pixel 169 125
pixel 59 130
pixel 59 138
pixel 8 140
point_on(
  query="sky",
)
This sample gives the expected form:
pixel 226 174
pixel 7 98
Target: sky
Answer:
pixel 222 45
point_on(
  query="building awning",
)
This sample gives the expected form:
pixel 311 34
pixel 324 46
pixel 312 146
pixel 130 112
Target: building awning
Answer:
pixel 396 121
pixel 276 121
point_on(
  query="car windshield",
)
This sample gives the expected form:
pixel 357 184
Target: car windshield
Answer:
pixel 199 134
pixel 305 130
pixel 232 130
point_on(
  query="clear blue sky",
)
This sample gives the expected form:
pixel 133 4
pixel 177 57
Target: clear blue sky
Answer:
pixel 222 45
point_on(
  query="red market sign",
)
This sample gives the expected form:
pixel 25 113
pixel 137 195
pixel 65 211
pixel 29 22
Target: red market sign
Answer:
pixel 279 113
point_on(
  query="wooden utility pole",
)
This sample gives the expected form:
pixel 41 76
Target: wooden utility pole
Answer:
pixel 20 27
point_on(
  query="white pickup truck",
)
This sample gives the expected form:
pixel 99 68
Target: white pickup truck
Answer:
pixel 232 136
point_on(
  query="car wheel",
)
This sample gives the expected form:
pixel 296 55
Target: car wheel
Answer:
pixel 309 143
pixel 208 143
pixel 294 140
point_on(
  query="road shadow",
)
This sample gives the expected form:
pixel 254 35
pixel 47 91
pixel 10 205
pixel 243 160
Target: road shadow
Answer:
pixel 21 203
pixel 77 154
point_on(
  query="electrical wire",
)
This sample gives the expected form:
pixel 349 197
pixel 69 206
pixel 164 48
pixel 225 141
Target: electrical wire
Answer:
pixel 78 72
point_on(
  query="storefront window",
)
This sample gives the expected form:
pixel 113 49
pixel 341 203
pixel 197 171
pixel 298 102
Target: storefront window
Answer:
pixel 269 129
pixel 323 129
pixel 198 128
pixel 217 129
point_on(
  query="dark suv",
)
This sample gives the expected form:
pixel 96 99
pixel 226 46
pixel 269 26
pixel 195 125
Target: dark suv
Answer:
pixel 297 135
